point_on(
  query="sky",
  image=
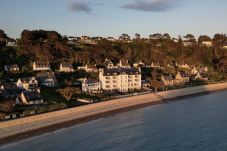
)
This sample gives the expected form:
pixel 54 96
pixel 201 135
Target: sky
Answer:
pixel 114 17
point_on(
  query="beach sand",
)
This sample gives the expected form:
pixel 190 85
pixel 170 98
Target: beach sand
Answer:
pixel 15 130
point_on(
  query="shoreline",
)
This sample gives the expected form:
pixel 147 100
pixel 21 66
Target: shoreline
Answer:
pixel 94 112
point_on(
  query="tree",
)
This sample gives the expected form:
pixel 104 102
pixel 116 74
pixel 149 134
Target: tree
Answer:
pixel 155 83
pixel 190 37
pixel 166 36
pixel 137 36
pixel 7 56
pixel 3 38
pixel 156 36
pixel 204 38
pixel 219 39
pixel 68 92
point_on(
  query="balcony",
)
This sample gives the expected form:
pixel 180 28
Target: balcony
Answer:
pixel 107 78
pixel 108 82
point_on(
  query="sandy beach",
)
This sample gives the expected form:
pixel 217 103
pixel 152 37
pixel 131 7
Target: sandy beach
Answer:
pixel 15 130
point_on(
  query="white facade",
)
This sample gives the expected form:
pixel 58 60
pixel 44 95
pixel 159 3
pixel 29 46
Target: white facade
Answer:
pixel 194 70
pixel 120 81
pixel 111 39
pixel 198 76
pixel 11 43
pixel 139 63
pixel 123 64
pixel 65 67
pixel 167 80
pixel 41 66
pixel 207 43
pixel 88 68
pixel 224 47
pixel 181 78
pixel 187 43
pixel 90 85
pixel 27 83
pixel 185 66
pixel 25 101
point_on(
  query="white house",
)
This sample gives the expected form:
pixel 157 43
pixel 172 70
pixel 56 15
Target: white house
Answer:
pixel 41 66
pixel 108 63
pixel 66 67
pixel 30 98
pixel 88 68
pixel 203 69
pixel 111 39
pixel 181 78
pixel 155 65
pixel 72 38
pixel 187 43
pixel 11 43
pixel 47 79
pixel 120 79
pixel 167 80
pixel 91 85
pixel 207 43
pixel 138 64
pixel 11 67
pixel 200 76
pixel 184 66
pixel 29 83
pixel 123 64
pixel 224 46
pixel 194 70
pixel 85 37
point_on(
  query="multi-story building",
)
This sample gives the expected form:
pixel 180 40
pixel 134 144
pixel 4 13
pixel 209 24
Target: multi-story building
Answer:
pixel 120 79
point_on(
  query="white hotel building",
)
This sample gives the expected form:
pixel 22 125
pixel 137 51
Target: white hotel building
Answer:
pixel 120 79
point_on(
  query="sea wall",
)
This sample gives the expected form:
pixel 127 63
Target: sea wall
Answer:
pixel 17 126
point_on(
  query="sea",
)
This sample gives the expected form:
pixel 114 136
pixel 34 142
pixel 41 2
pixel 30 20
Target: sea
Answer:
pixel 197 123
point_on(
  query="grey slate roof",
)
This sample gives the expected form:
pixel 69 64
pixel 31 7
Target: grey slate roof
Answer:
pixel 67 65
pixel 183 74
pixel 118 71
pixel 41 64
pixel 11 66
pixel 91 81
pixel 32 96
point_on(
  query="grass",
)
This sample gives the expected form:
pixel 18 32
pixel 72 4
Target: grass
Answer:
pixel 55 99
pixel 52 96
